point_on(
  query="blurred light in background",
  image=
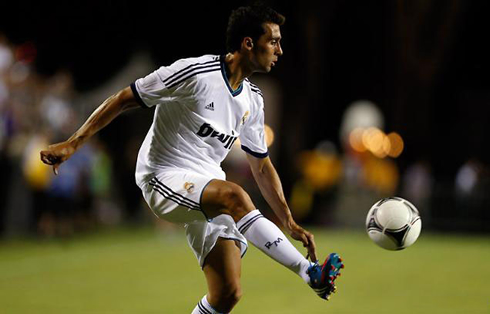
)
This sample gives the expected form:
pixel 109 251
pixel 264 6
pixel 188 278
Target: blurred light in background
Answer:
pixel 377 142
pixel 396 144
pixel 269 135
pixel 355 140
pixel 321 170
pixel 360 114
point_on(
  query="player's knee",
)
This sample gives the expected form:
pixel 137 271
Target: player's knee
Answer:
pixel 236 295
pixel 230 295
pixel 236 200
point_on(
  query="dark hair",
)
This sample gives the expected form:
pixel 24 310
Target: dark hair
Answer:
pixel 247 22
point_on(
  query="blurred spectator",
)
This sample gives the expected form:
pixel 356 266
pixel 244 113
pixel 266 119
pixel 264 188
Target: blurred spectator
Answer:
pixel 472 184
pixel 37 177
pixel 313 195
pixel 418 181
pixel 6 61
pixel 418 184
pixel 69 197
pixel 368 174
pixel 57 105
pixel 468 178
pixel 101 183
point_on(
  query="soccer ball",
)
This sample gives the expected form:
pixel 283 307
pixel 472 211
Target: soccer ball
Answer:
pixel 393 223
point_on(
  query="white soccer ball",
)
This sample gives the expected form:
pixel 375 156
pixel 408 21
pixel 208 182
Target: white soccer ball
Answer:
pixel 393 223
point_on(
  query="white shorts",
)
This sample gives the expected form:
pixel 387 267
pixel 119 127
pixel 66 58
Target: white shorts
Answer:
pixel 175 196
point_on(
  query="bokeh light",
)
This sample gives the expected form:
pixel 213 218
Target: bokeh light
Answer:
pixel 269 135
pixel 396 143
pixel 374 140
pixel 355 140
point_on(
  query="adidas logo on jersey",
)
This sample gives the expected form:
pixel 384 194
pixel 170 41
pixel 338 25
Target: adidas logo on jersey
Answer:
pixel 207 130
pixel 210 106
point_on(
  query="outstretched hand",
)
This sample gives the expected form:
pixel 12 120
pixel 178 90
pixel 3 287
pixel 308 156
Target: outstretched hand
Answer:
pixel 56 154
pixel 307 238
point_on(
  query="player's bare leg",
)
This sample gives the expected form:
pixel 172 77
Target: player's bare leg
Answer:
pixel 222 269
pixel 224 197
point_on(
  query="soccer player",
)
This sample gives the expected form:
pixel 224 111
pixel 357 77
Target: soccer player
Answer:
pixel 202 106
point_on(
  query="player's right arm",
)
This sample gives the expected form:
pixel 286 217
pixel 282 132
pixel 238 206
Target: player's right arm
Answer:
pixel 102 116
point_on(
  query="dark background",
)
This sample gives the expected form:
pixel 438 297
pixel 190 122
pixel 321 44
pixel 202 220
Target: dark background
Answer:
pixel 424 63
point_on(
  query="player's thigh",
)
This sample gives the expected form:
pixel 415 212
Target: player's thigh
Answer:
pixel 175 196
pixel 225 197
pixel 222 269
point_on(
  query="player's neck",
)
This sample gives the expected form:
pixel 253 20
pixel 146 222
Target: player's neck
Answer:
pixel 236 69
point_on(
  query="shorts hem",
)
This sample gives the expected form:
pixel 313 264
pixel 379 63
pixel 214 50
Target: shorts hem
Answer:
pixel 242 251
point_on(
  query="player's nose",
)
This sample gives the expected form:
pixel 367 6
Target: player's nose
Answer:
pixel 279 51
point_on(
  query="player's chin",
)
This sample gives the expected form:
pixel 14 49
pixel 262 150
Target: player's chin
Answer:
pixel 264 69
pixel 267 68
pixel 264 66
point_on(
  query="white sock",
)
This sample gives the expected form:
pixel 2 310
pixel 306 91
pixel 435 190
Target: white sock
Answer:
pixel 267 237
pixel 203 307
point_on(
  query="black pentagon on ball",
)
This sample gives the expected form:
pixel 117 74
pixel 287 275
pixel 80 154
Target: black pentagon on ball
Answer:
pixel 398 236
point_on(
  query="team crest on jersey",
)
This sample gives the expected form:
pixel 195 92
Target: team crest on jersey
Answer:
pixel 245 117
pixel 189 186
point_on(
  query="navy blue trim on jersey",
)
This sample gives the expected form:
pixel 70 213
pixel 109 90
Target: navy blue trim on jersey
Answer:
pixel 257 91
pixel 254 88
pixel 137 96
pixel 191 75
pixel 178 73
pixel 235 92
pixel 255 154
pixel 190 71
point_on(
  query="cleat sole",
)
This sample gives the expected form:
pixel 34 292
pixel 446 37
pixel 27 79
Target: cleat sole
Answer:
pixel 324 282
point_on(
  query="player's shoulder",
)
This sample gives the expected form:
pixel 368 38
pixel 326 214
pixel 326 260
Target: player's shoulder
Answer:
pixel 255 91
pixel 205 60
pixel 185 69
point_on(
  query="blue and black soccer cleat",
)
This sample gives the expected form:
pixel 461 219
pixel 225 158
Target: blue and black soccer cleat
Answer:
pixel 322 278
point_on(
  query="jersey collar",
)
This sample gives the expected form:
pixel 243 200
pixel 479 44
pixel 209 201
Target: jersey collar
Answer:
pixel 235 92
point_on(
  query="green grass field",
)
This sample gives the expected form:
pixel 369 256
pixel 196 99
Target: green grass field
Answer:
pixel 145 271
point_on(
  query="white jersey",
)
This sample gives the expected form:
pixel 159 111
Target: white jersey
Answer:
pixel 197 118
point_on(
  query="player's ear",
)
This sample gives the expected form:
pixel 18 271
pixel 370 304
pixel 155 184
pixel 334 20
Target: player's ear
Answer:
pixel 247 43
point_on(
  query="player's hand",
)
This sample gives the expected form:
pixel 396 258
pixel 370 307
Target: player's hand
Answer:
pixel 306 237
pixel 56 154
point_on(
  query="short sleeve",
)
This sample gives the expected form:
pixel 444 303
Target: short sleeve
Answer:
pixel 252 137
pixel 149 90
pixel 171 82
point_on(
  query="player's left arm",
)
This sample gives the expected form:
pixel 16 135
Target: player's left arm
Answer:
pixel 271 188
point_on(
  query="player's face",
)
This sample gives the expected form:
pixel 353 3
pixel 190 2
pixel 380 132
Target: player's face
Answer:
pixel 267 49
